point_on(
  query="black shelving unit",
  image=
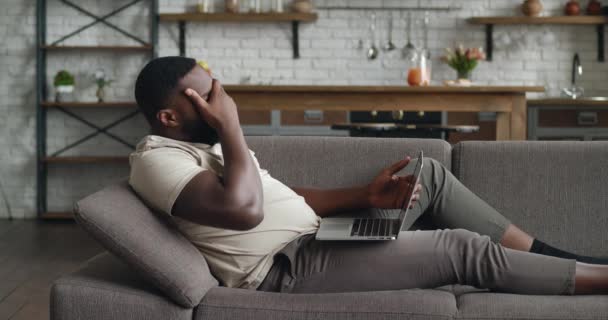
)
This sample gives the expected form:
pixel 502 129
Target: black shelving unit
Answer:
pixel 43 160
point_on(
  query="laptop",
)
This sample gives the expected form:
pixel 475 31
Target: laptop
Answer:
pixel 369 229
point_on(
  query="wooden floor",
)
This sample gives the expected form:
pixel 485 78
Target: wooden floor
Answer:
pixel 32 255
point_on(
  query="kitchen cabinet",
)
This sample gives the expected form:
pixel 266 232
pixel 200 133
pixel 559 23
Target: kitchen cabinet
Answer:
pixel 567 119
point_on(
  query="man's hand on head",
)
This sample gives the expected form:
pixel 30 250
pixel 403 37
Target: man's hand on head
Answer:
pixel 219 111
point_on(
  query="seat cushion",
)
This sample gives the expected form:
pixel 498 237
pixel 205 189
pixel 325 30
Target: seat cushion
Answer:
pixel 556 191
pixel 106 288
pixel 224 303
pixel 147 242
pixel 496 306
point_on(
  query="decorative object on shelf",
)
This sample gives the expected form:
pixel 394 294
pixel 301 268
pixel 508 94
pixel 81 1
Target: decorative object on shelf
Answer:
pixel 302 6
pixel 205 6
pixel 255 6
pixel 594 8
pixel 419 70
pixel 464 61
pixel 573 8
pixel 231 6
pixel 278 6
pixel 532 8
pixel 64 86
pixel 102 81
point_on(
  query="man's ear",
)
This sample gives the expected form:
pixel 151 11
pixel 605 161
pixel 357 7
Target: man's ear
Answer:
pixel 168 118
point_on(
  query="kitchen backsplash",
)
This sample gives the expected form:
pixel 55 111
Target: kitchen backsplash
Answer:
pixel 251 53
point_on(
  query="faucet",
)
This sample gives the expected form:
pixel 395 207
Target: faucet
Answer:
pixel 577 68
pixel 575 91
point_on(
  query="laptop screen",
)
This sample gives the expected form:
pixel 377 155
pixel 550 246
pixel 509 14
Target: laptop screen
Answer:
pixel 408 201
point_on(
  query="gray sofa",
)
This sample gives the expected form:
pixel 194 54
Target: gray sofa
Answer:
pixel 556 190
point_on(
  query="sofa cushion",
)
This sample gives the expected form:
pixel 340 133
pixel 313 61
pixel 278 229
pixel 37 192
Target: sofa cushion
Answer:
pixel 327 162
pixel 495 306
pixel 106 288
pixel 223 303
pixel 117 218
pixel 557 191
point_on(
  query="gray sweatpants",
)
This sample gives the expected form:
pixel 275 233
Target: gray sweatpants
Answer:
pixel 466 252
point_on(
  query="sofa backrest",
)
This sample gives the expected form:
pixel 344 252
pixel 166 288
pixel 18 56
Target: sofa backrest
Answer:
pixel 557 191
pixel 327 162
pixel 122 223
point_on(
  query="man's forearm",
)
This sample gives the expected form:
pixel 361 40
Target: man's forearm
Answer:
pixel 328 202
pixel 241 177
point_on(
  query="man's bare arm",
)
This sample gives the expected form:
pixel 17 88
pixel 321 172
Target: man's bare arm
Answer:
pixel 328 202
pixel 386 191
pixel 235 201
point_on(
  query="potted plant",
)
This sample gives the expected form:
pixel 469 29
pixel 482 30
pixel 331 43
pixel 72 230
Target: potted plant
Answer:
pixel 102 81
pixel 463 60
pixel 64 86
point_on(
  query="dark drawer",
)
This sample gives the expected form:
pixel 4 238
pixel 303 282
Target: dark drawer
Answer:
pixel 573 118
pixel 251 117
pixel 313 118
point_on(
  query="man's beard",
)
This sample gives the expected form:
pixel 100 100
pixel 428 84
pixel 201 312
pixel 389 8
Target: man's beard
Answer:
pixel 200 132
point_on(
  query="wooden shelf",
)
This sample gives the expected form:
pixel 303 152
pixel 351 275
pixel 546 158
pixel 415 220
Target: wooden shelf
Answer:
pixel 293 17
pixel 98 48
pixel 598 21
pixel 117 104
pixel 240 17
pixel 571 20
pixel 87 159
pixel 57 216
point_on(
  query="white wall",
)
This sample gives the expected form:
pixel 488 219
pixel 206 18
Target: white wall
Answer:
pixel 261 52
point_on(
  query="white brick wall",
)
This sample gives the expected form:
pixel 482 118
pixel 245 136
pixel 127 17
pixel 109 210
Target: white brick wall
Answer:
pixel 259 51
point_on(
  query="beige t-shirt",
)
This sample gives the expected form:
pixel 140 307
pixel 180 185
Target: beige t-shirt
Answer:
pixel 161 168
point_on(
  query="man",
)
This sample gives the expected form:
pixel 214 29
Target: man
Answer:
pixel 257 233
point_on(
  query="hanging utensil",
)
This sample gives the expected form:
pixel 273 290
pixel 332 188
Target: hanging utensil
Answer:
pixel 425 28
pixel 409 51
pixel 390 46
pixel 372 52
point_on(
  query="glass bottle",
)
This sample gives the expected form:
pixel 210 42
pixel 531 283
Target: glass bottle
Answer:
pixel 419 70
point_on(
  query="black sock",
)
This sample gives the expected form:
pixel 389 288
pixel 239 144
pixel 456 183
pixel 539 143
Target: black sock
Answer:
pixel 547 250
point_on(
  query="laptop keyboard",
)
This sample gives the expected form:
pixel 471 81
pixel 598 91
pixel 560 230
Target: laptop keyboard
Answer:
pixel 373 227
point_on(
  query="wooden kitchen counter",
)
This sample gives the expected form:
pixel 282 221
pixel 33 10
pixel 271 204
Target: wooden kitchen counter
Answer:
pixel 508 102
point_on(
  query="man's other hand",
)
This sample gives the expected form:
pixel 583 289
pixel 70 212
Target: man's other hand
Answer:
pixel 389 191
pixel 220 111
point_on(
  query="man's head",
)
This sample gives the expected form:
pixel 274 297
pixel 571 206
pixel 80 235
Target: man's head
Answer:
pixel 159 92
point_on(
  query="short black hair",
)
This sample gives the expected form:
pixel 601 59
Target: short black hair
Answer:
pixel 157 82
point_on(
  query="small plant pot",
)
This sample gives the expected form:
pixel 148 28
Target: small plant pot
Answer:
pixel 64 93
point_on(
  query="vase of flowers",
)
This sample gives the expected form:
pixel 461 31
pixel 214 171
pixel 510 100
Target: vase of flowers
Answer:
pixel 102 81
pixel 463 60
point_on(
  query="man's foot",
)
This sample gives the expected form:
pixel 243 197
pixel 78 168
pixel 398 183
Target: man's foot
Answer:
pixel 540 247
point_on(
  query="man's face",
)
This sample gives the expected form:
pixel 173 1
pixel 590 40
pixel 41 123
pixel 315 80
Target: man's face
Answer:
pixel 192 124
